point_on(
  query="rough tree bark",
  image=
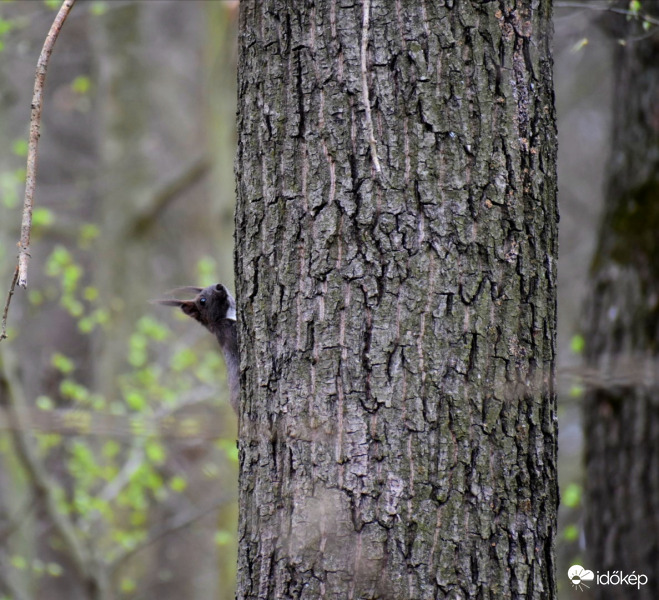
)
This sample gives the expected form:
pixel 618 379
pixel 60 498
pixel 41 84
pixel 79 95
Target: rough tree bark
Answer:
pixel 395 256
pixel 621 330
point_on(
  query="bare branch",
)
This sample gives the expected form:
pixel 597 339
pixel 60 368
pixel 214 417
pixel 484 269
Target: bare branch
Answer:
pixel 606 8
pixel 8 581
pixel 35 126
pixel 12 287
pixel 43 487
pixel 175 524
pixel 17 520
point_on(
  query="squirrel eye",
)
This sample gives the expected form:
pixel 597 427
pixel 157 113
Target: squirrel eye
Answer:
pixel 202 300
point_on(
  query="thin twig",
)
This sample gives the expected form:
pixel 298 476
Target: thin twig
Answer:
pixel 9 581
pixel 365 94
pixel 177 523
pixel 12 287
pixel 606 8
pixel 35 126
pixel 17 520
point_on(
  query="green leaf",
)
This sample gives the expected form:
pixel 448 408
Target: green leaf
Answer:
pixel 19 147
pixel 87 234
pixel 155 452
pixel 110 449
pixel 634 6
pixel 136 400
pixel 45 403
pixel 152 328
pixel 206 271
pixel 577 343
pixel 59 258
pixel 571 533
pixel 62 363
pixel 90 293
pixel 73 390
pixel 18 562
pixel 52 4
pixel 177 484
pixel 223 538
pixel 86 325
pixel 98 8
pixel 54 570
pixel 35 297
pixel 5 26
pixel 127 585
pixel 580 45
pixel 42 217
pixel 72 306
pixel 81 84
pixel 572 495
pixel 8 189
pixel 577 391
pixel 183 359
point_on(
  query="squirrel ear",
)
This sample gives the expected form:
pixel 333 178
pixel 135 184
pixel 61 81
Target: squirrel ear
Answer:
pixel 187 289
pixel 168 302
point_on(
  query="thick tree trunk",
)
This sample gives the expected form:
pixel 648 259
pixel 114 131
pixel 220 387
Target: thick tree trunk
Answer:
pixel 396 246
pixel 622 329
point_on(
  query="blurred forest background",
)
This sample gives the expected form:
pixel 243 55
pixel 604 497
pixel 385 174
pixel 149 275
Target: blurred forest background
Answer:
pixel 118 461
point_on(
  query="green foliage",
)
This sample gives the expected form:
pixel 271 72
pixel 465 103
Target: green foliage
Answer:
pixel 45 403
pixel 113 484
pixel 19 147
pixel 87 233
pixel 5 27
pixel 81 85
pixel 42 217
pixel 222 538
pixel 571 533
pixel 572 495
pixel 207 271
pixel 62 363
pixel 177 484
pixel 578 344
pixel 98 7
pixel 127 585
pixel 10 184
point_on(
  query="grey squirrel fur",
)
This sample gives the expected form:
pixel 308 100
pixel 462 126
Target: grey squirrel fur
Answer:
pixel 215 308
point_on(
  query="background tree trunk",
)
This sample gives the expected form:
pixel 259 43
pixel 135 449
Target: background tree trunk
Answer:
pixel 395 256
pixel 621 331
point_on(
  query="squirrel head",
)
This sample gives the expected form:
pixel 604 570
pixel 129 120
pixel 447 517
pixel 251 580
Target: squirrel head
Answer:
pixel 211 306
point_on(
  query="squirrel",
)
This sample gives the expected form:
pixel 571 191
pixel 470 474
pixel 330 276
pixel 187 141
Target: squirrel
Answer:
pixel 215 308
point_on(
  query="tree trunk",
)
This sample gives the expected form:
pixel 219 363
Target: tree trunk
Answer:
pixel 395 259
pixel 622 329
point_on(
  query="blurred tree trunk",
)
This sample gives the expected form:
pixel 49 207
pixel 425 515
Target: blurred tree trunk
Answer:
pixel 135 160
pixel 622 333
pixel 126 179
pixel 395 256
